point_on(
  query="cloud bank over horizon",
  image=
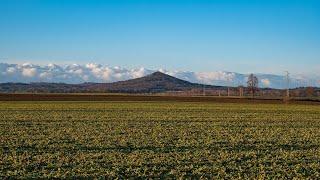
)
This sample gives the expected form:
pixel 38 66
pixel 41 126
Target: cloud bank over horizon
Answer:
pixel 91 72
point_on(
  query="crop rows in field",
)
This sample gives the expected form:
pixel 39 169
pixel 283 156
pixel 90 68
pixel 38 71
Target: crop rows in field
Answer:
pixel 159 139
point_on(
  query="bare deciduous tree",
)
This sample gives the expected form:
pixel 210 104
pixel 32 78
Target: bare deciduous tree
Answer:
pixel 252 84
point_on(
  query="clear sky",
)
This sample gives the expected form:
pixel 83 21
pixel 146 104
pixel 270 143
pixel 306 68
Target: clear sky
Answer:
pixel 242 36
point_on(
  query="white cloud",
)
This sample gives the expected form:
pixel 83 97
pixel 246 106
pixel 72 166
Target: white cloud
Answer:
pixel 107 74
pixel 266 82
pixel 210 76
pixel 219 78
pixel 91 72
pixel 27 64
pixel 45 75
pixel 78 71
pixel 29 72
pixel 85 77
pixel 136 73
pixel 11 70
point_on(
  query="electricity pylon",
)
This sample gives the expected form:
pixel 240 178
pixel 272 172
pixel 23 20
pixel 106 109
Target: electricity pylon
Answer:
pixel 288 83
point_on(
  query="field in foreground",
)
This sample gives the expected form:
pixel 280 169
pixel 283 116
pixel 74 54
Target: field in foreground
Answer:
pixel 159 139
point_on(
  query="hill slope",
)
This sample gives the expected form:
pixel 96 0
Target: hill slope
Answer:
pixel 155 82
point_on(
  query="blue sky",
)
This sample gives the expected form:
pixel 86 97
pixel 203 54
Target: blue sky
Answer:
pixel 242 36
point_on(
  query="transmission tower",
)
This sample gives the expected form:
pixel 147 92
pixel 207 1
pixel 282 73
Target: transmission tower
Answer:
pixel 287 83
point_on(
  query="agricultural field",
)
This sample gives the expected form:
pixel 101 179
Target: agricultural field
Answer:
pixel 159 140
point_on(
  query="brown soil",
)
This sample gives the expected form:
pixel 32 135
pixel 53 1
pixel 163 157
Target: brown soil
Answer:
pixel 126 97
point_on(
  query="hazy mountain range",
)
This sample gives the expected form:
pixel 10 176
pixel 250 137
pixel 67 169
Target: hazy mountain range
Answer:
pixel 97 73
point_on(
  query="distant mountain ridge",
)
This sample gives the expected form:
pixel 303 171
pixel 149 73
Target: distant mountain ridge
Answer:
pixel 152 83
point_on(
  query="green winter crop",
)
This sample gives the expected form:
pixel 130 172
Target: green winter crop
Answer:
pixel 159 140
